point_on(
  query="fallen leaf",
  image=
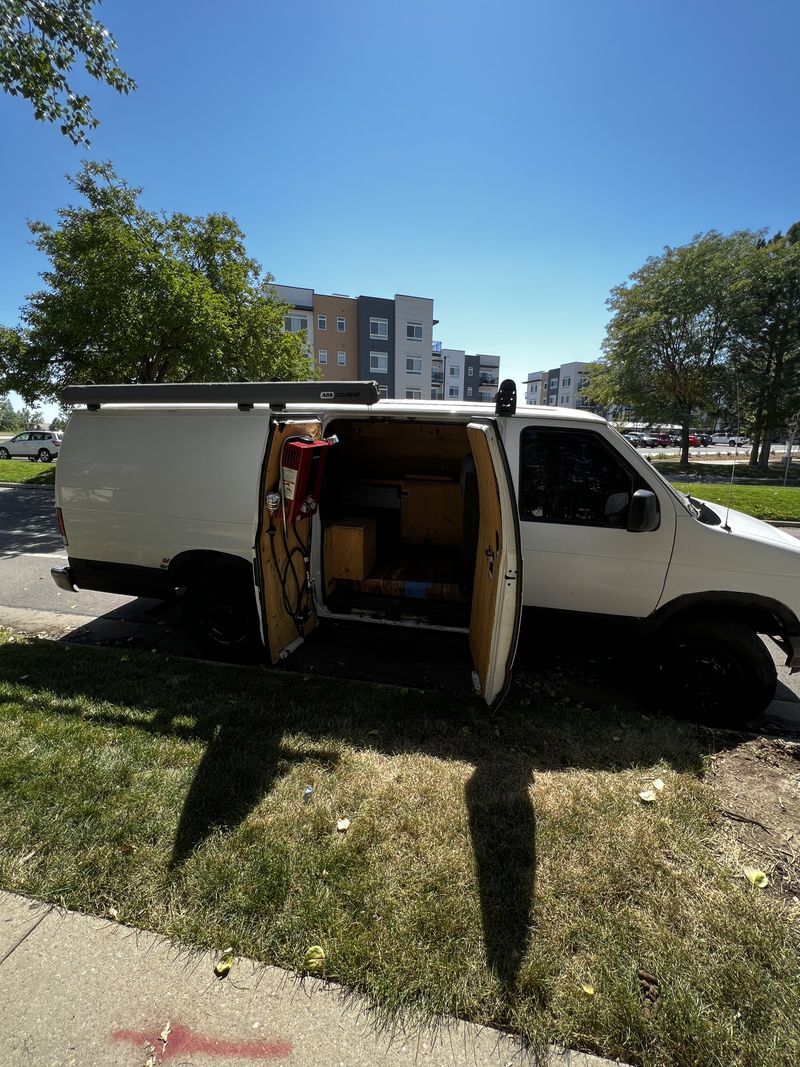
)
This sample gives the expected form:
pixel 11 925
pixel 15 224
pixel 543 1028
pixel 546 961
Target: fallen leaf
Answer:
pixel 658 784
pixel 647 795
pixel 756 877
pixel 315 959
pixel 588 990
pixel 113 913
pixel 342 825
pixel 224 963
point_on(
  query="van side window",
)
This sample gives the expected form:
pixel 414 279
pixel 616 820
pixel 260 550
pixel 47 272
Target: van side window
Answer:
pixel 569 476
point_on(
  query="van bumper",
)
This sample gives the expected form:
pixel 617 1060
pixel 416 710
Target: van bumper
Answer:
pixel 62 576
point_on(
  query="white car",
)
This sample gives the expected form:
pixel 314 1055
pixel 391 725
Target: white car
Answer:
pixel 731 439
pixel 32 445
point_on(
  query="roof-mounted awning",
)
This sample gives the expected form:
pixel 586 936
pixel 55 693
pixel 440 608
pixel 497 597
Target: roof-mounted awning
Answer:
pixel 244 394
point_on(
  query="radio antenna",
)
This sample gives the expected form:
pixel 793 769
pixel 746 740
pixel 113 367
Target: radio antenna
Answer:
pixel 735 454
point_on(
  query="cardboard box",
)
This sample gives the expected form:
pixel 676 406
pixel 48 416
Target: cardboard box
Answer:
pixel 352 549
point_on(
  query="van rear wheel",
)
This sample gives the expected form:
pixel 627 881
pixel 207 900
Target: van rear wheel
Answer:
pixel 714 670
pixel 220 612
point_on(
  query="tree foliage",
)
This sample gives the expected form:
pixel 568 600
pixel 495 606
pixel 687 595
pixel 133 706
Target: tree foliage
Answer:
pixel 670 330
pixel 136 296
pixel 40 41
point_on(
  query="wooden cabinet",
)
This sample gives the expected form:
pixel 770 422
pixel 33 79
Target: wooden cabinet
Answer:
pixel 430 510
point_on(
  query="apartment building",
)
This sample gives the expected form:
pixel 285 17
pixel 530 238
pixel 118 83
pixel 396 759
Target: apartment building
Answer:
pixel 458 375
pixel 367 337
pixel 562 386
pixel 336 337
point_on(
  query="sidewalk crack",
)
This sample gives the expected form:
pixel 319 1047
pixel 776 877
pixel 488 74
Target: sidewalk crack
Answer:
pixel 27 934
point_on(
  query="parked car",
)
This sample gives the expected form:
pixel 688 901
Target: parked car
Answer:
pixel 634 438
pixel 32 445
pixel 731 439
pixel 665 440
pixel 319 501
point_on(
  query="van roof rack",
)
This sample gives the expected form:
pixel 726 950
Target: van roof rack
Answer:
pixel 243 394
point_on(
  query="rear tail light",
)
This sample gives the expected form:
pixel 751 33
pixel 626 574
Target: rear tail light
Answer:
pixel 61 528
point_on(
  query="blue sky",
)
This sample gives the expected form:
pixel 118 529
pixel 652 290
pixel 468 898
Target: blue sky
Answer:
pixel 513 161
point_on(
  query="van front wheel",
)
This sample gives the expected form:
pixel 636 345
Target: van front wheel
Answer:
pixel 714 670
pixel 220 612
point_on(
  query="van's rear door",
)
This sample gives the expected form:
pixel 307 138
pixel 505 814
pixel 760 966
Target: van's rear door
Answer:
pixel 497 590
pixel 285 602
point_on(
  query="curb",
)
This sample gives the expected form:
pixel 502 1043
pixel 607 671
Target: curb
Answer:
pixel 24 485
pixel 786 525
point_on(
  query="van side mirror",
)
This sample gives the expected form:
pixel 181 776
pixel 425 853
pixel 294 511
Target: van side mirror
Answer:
pixel 643 515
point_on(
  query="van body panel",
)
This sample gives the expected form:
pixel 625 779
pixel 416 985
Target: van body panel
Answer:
pixel 140 486
pixel 749 557
pixel 570 566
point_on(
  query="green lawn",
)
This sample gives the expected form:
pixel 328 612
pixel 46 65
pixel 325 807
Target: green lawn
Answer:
pixel 763 501
pixel 23 472
pixel 501 868
pixel 721 472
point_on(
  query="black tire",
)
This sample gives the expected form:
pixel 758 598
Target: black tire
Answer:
pixel 711 669
pixel 220 611
pixel 732 443
pixel 44 455
pixel 4 453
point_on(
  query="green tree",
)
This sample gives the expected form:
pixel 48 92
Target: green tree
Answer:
pixel 669 331
pixel 10 421
pixel 40 41
pixel 134 296
pixel 765 346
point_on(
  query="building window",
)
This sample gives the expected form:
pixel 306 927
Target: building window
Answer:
pixel 413 394
pixel 470 371
pixel 295 323
pixel 322 322
pixel 455 372
pixel 413 331
pixel 341 359
pixel 414 364
pixel 469 390
pixel 454 391
pixel 552 401
pixel 379 362
pixel 436 394
pixel 383 392
pixel 340 324
pixel 554 383
pixel 379 328
pixel 323 355
pixel 573 477
pixel 485 398
pixel 565 399
pixel 565 382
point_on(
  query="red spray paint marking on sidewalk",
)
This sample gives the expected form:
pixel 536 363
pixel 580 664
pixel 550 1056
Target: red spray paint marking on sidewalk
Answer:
pixel 183 1042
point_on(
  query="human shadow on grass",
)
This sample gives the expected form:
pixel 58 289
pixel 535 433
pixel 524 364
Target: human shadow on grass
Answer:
pixel 243 717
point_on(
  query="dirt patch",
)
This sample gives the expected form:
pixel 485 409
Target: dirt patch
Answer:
pixel 757 784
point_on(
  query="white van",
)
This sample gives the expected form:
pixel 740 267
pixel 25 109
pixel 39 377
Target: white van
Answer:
pixel 272 506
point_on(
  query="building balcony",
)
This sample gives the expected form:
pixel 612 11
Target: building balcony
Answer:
pixel 437 376
pixel 487 379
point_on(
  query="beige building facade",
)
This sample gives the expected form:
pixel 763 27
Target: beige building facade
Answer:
pixel 336 337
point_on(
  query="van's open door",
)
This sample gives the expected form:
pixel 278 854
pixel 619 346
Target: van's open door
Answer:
pixel 497 589
pixel 287 609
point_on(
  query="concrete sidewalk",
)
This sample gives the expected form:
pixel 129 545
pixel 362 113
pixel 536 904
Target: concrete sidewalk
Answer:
pixel 78 991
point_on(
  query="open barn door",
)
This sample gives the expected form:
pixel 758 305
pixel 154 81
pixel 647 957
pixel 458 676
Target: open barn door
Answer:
pixel 284 539
pixel 497 590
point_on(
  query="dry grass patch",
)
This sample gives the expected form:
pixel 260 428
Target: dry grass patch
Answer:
pixel 495 867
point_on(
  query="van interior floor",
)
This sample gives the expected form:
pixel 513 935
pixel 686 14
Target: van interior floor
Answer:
pixel 414 581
